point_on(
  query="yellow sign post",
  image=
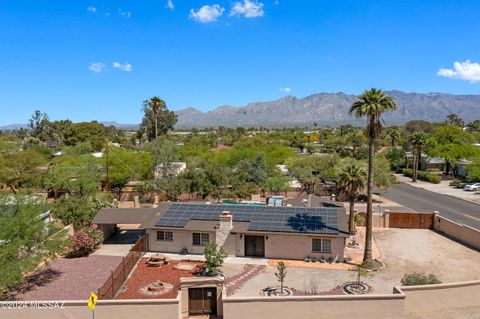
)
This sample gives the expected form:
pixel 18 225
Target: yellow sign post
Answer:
pixel 92 301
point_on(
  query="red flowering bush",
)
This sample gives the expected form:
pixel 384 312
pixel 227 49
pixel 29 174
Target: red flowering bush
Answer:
pixel 85 241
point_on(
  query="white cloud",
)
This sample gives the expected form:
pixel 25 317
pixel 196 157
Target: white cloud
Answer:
pixel 286 90
pixel 127 67
pixel 92 9
pixel 170 5
pixel 125 14
pixel 96 67
pixel 247 8
pixel 207 13
pixel 468 71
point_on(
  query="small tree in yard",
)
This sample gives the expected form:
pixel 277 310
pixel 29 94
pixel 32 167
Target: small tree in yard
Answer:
pixel 214 257
pixel 362 271
pixel 281 274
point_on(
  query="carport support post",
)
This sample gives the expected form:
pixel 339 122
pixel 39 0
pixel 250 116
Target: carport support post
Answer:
pixel 113 289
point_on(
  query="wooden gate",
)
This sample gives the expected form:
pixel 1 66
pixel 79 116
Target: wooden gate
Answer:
pixel 411 220
pixel 202 301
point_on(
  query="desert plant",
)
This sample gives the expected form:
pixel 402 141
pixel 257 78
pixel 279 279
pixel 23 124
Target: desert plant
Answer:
pixel 310 286
pixel 415 279
pixel 281 274
pixel 214 257
pixel 362 270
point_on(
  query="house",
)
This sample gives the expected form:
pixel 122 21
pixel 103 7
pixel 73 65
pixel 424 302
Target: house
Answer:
pixel 173 169
pixel 250 231
pixel 426 162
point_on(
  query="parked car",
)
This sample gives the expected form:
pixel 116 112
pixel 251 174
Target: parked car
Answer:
pixel 472 187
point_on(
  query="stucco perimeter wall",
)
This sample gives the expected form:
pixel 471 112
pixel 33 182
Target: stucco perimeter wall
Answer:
pixel 463 233
pixel 463 297
pixel 338 307
pixel 118 309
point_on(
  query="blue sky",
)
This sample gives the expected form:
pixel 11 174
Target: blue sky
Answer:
pixel 88 60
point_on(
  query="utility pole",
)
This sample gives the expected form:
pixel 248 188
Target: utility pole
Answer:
pixel 107 184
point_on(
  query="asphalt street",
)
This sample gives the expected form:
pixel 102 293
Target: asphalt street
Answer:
pixel 421 200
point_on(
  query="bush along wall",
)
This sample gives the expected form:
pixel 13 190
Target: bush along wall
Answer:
pixel 424 176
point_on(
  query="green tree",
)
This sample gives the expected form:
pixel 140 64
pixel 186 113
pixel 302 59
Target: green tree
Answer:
pixel 157 119
pixel 453 144
pixel 371 104
pixel 126 166
pixel 352 180
pixel 21 168
pixel 214 257
pixel 473 169
pixel 418 140
pixel 277 184
pixel 312 171
pixel 77 210
pixel 455 120
pixel 382 175
pixel 25 238
pixel 419 126
pixel 74 175
pixel 91 132
pixel 37 123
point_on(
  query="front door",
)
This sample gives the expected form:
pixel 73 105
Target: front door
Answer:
pixel 255 246
pixel 202 301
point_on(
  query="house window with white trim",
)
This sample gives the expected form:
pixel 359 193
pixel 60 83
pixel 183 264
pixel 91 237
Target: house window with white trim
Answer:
pixel 200 239
pixel 321 245
pixel 164 235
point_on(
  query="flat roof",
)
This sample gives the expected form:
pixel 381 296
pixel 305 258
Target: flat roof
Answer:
pixel 140 216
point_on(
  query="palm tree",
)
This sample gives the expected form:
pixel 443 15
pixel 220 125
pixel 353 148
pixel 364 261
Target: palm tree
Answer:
pixel 352 180
pixel 418 141
pixel 394 136
pixel 156 104
pixel 371 104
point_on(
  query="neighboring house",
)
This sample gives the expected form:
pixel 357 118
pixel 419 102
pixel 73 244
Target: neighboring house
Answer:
pixel 461 171
pixel 427 162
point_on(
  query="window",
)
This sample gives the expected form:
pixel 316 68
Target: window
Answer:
pixel 321 245
pixel 200 239
pixel 164 235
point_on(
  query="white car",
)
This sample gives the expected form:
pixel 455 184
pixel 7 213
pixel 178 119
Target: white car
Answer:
pixel 472 187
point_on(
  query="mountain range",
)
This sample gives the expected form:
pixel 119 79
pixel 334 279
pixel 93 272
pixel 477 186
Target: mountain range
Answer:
pixel 323 109
pixel 330 109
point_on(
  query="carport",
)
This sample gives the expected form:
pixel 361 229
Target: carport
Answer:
pixel 124 225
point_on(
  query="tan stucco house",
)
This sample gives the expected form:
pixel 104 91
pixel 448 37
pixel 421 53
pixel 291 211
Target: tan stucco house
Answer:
pixel 252 231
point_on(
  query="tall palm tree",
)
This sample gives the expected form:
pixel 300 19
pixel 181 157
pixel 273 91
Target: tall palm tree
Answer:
pixel 394 136
pixel 352 180
pixel 156 104
pixel 371 104
pixel 418 141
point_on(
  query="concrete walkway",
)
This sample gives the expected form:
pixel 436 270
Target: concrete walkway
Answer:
pixel 228 260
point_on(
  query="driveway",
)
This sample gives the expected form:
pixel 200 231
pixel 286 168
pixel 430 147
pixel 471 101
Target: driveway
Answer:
pixel 119 244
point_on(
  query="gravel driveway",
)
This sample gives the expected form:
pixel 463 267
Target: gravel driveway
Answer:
pixel 68 279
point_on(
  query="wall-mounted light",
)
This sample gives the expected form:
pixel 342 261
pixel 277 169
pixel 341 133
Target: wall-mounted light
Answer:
pixel 266 237
pixel 241 236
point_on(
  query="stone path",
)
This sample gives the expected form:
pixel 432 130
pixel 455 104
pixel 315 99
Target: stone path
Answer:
pixel 235 282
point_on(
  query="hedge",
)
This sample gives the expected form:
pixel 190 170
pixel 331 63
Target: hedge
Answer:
pixel 424 176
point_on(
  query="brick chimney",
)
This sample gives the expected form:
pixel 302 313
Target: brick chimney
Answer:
pixel 226 225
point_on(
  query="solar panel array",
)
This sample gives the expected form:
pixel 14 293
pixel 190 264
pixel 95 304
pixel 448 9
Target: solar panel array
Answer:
pixel 262 218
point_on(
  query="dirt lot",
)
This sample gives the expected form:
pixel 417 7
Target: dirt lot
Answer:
pixel 421 250
pixel 402 250
pixel 67 279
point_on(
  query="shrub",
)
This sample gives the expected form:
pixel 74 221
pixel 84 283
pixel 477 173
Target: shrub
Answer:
pixel 85 241
pixel 455 182
pixel 415 279
pixel 424 176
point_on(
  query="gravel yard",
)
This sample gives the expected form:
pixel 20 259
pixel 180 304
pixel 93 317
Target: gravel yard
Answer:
pixel 67 279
